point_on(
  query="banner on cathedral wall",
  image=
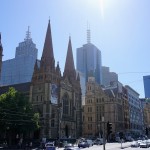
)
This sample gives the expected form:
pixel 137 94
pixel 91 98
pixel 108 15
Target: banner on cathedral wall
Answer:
pixel 54 93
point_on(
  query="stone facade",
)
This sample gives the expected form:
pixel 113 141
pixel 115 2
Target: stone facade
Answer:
pixel 57 98
pixel 100 103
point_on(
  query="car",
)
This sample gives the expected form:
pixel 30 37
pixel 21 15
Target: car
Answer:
pixel 144 144
pixel 72 148
pixel 67 146
pixel 83 144
pixel 135 144
pixel 148 142
pixel 98 141
pixel 139 141
pixel 90 142
pixel 50 146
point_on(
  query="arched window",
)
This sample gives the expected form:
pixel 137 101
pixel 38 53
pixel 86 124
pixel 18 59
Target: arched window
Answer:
pixel 66 105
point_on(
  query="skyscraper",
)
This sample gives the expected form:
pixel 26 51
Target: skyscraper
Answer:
pixel 146 80
pixel 20 69
pixel 89 60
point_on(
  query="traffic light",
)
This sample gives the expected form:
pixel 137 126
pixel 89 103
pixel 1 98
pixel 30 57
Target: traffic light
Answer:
pixel 109 128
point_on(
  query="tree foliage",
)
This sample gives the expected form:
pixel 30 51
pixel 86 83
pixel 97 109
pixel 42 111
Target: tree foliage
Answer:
pixel 16 113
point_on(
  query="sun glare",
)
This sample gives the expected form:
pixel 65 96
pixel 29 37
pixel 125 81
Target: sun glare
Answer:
pixel 96 5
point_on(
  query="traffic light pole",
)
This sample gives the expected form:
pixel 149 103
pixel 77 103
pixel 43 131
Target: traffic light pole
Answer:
pixel 103 133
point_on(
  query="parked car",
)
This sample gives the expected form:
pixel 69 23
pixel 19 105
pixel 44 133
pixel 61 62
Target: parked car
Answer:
pixel 90 142
pixel 135 144
pixel 144 144
pixel 98 141
pixel 83 144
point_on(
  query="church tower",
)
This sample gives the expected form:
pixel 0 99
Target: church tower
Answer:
pixel 57 98
pixel 44 91
pixel 1 55
pixel 70 97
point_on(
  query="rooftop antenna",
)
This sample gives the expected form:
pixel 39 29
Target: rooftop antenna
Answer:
pixel 28 34
pixel 88 33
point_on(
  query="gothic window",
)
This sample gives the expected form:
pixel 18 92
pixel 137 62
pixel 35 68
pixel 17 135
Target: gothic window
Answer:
pixel 66 105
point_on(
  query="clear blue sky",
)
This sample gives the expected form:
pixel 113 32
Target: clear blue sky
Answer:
pixel 119 28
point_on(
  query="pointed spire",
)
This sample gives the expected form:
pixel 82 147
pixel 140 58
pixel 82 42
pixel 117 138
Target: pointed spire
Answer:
pixel 69 65
pixel 58 69
pixel 47 55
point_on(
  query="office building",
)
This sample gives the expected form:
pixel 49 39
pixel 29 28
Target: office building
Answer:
pixel 146 80
pixel 88 58
pixel 135 110
pixel 20 69
pixel 108 77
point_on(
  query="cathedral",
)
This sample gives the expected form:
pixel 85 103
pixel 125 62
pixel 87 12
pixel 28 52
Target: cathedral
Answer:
pixel 56 97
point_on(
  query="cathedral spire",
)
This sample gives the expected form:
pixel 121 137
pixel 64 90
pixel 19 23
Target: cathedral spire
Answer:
pixel 69 65
pixel 47 55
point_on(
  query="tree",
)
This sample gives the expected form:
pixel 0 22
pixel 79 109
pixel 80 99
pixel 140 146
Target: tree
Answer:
pixel 16 114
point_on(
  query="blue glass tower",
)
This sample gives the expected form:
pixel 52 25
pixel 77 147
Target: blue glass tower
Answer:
pixel 146 80
pixel 20 69
pixel 89 60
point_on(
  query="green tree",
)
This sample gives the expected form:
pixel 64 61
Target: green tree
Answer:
pixel 16 114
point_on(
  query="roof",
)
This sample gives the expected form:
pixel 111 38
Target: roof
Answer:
pixel 22 87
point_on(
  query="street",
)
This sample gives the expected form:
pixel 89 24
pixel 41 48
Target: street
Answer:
pixel 108 146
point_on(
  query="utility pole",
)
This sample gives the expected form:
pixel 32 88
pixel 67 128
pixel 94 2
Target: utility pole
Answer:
pixel 103 132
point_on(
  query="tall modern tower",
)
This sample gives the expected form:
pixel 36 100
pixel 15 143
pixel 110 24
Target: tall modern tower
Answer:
pixel 1 54
pixel 89 60
pixel 20 69
pixel 146 80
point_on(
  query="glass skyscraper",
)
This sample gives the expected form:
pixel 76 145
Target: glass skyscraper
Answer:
pixel 89 61
pixel 20 69
pixel 146 80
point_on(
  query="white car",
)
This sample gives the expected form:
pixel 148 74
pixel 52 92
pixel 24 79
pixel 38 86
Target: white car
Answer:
pixel 135 144
pixel 144 144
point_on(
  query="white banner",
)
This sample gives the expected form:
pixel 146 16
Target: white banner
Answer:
pixel 54 94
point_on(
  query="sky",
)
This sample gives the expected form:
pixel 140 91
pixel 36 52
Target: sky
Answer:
pixel 119 28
